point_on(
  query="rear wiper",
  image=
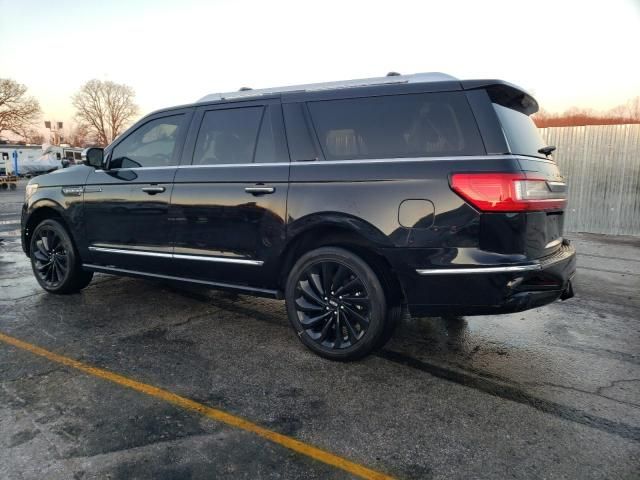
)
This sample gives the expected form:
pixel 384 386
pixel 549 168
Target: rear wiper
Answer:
pixel 547 150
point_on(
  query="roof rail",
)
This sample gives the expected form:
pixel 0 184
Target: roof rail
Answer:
pixel 362 82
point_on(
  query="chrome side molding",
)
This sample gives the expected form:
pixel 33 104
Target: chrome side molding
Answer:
pixel 72 191
pixel 142 253
pixel 202 258
pixel 457 271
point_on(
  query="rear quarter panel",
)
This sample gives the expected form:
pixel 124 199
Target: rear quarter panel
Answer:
pixel 367 194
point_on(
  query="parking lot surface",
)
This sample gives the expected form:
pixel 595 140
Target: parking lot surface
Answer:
pixel 549 393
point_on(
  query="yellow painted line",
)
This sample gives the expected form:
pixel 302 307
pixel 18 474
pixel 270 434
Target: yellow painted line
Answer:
pixel 212 413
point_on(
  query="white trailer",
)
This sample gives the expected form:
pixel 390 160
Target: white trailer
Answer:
pixel 27 160
pixel 10 155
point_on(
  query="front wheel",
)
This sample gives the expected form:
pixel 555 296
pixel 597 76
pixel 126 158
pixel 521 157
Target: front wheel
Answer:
pixel 336 304
pixel 54 260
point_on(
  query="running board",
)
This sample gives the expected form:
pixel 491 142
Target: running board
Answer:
pixel 262 292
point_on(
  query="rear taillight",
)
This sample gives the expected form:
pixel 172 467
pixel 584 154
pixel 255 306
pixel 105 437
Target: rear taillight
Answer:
pixel 506 192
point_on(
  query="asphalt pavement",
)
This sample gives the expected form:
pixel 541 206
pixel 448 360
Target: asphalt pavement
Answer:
pixel 549 393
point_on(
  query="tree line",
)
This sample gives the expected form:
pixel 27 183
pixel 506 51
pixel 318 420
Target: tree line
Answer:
pixel 626 113
pixel 103 110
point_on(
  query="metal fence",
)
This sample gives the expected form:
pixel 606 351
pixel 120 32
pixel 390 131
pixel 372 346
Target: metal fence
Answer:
pixel 602 166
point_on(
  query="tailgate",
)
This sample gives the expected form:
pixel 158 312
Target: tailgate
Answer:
pixel 544 229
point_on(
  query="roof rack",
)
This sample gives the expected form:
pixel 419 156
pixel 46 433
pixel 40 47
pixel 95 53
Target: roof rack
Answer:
pixel 362 82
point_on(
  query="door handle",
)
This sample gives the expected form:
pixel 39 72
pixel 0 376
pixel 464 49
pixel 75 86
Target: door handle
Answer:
pixel 259 190
pixel 153 190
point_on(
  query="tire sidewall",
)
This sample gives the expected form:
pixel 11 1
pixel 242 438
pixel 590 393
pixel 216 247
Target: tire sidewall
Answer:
pixel 377 324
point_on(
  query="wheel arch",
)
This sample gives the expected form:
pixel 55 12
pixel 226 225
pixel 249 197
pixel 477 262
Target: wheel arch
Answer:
pixel 343 235
pixel 42 210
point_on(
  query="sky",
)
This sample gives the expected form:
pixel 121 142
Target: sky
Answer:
pixel 583 53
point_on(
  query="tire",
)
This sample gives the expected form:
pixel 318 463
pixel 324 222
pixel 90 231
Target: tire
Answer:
pixel 55 261
pixel 355 302
pixel 394 316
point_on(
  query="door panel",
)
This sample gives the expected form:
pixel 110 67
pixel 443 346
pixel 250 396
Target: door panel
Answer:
pixel 126 206
pixel 120 215
pixel 215 217
pixel 229 218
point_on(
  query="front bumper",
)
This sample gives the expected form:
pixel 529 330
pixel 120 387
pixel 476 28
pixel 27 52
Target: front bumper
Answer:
pixel 489 288
pixel 23 230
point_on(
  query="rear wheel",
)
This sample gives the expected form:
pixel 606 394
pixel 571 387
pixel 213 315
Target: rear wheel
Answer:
pixel 336 304
pixel 54 259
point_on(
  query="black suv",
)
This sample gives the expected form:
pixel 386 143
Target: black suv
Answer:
pixel 349 200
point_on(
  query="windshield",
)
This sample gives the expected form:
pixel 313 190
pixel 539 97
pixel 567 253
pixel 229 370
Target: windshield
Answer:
pixel 521 133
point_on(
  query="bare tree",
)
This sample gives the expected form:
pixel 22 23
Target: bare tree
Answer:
pixel 105 109
pixel 18 112
pixel 633 108
pixel 33 136
pixel 78 136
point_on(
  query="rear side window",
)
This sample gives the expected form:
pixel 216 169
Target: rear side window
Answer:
pixel 228 136
pixel 416 125
pixel 521 133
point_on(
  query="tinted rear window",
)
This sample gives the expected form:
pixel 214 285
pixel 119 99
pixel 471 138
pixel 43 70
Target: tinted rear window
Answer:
pixel 521 133
pixel 227 136
pixel 416 125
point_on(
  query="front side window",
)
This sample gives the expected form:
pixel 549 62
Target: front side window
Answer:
pixel 398 126
pixel 151 145
pixel 228 136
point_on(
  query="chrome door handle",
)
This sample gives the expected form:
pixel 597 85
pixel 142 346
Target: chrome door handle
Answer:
pixel 153 190
pixel 259 190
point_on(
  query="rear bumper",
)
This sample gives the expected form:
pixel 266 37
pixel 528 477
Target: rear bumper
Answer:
pixel 487 288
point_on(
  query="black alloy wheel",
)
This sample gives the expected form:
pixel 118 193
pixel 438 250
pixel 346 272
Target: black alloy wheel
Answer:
pixel 332 304
pixel 50 257
pixel 336 303
pixel 54 260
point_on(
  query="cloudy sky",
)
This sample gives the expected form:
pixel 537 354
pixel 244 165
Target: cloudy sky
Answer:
pixel 566 52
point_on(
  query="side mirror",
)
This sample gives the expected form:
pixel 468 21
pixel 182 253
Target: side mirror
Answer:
pixel 93 157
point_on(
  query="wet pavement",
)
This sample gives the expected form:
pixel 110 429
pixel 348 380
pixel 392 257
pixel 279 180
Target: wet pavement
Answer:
pixel 549 393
